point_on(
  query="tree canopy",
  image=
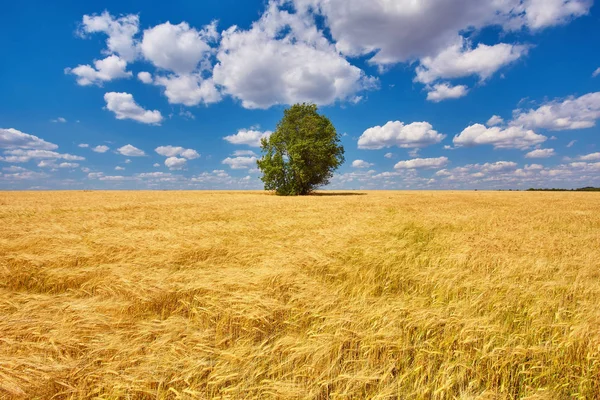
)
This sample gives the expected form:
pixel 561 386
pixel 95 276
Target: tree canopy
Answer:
pixel 302 153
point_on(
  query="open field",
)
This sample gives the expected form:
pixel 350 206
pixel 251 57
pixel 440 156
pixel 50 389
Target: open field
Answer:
pixel 424 295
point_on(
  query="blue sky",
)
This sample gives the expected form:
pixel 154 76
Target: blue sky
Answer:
pixel 437 94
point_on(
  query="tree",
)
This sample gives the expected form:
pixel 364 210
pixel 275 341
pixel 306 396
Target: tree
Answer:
pixel 302 153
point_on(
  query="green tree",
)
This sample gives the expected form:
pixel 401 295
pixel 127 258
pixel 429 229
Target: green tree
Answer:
pixel 302 153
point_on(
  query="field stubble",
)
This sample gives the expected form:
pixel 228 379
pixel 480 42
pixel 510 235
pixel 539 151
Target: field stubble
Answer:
pixel 383 295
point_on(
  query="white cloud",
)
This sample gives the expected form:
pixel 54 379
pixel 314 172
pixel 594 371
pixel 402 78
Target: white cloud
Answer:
pixel 101 149
pixel 59 119
pixel 284 59
pixel 21 155
pixel 495 120
pixel 156 165
pixel 145 77
pixel 128 161
pixel 68 165
pixel 14 168
pixel 188 89
pixel 83 145
pixel 123 105
pixel 414 153
pixel 240 162
pixel 14 139
pixel 571 143
pixel 395 133
pixel 187 114
pixel 108 69
pixel 361 164
pixel 95 175
pixel 114 178
pixel 596 73
pixel 23 174
pixel 513 137
pixel 178 48
pixel 244 153
pixel 540 153
pixel 249 137
pixel 216 176
pixel 388 155
pixel 445 91
pixel 175 163
pixel 172 151
pixel 119 168
pixel 120 31
pixel 543 13
pixel 590 157
pixel 459 60
pixel 52 164
pixel 130 151
pixel 155 175
pixel 186 52
pixel 404 30
pixel 572 113
pixel 427 163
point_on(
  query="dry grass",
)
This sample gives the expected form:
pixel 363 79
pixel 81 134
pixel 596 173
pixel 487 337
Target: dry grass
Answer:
pixel 416 295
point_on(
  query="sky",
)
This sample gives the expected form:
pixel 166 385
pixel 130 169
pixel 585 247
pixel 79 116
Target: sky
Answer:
pixel 430 94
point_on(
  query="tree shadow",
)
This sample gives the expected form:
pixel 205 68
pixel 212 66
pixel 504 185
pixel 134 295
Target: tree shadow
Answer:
pixel 337 194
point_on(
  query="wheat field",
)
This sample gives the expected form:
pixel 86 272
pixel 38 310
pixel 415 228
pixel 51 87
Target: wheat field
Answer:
pixel 246 295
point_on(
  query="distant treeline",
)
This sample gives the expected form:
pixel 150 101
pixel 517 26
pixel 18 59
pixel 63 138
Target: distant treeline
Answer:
pixel 583 189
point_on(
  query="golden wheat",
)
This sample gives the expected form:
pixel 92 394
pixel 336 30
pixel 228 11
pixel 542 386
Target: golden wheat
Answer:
pixel 235 295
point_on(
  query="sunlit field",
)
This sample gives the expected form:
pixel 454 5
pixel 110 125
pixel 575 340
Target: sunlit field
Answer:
pixel 236 295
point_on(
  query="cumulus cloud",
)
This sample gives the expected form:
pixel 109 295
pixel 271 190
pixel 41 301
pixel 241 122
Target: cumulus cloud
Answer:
pixel 23 174
pixel 172 151
pixel 52 164
pixel 404 30
pixel 590 157
pixel 250 137
pixel 396 133
pixel 540 153
pixel 459 60
pixel 83 145
pixel 361 164
pixel 23 155
pixel 119 168
pixel 388 155
pixel 445 91
pixel 108 69
pixel 572 113
pixel 101 149
pixel 124 107
pixel 120 32
pixel 425 163
pixel 596 73
pixel 145 77
pixel 130 151
pixel 543 13
pixel 175 163
pixel 188 89
pixel 513 137
pixel 186 52
pixel 495 120
pixel 244 153
pixel 59 119
pixel 240 162
pixel 14 139
pixel 285 59
pixel 178 48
